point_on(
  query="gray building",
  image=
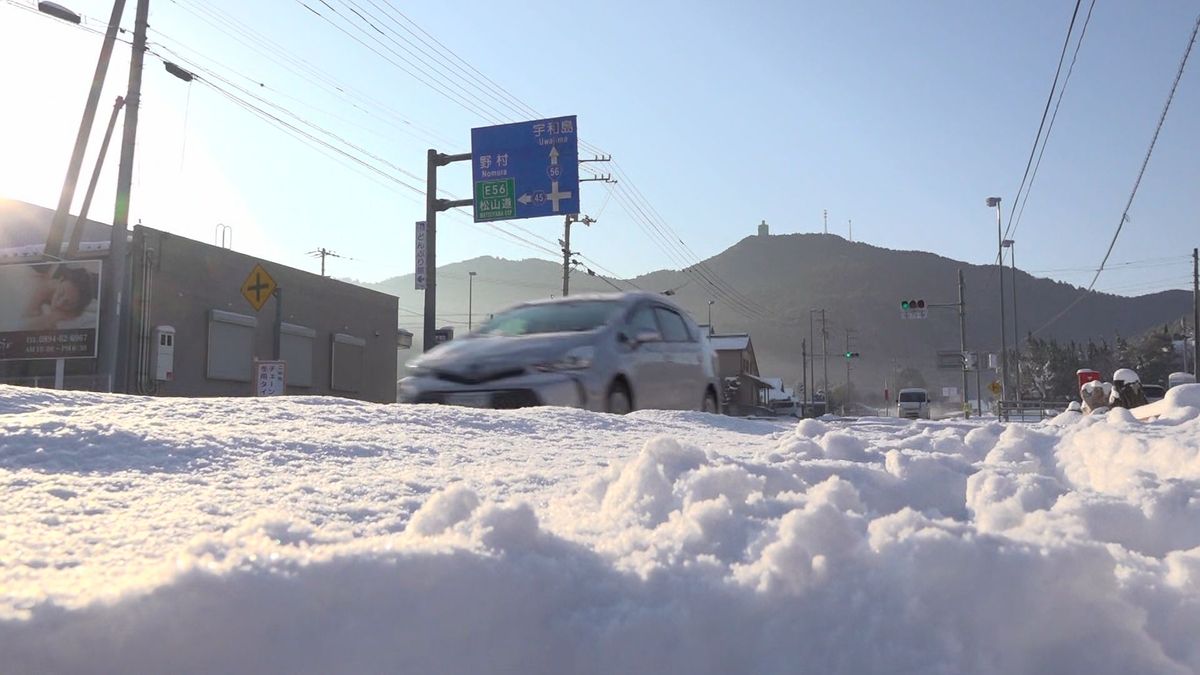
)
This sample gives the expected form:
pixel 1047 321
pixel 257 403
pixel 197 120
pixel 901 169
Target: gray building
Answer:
pixel 188 329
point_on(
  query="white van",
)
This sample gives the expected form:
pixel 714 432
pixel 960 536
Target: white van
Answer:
pixel 913 404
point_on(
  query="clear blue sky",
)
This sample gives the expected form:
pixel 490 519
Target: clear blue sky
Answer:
pixel 902 116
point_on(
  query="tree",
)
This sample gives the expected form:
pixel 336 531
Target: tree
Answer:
pixel 910 378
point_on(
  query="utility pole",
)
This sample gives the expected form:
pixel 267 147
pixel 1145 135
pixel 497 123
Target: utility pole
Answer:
pixel 962 340
pixel 850 225
pixel 846 396
pixel 1195 312
pixel 323 253
pixel 566 247
pixel 470 301
pixel 804 360
pixel 825 220
pixel 110 337
pixel 1012 256
pixel 433 205
pixel 58 226
pixel 825 359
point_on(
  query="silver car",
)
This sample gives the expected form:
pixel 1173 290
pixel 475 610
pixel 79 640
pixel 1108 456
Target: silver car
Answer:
pixel 609 353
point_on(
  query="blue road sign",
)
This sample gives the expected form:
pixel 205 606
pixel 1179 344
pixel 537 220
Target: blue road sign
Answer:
pixel 526 169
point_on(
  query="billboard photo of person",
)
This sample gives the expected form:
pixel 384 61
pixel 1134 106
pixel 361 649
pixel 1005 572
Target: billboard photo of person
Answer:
pixel 58 298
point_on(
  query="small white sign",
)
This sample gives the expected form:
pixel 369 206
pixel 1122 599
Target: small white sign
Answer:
pixel 949 392
pixel 270 378
pixel 914 314
pixel 419 277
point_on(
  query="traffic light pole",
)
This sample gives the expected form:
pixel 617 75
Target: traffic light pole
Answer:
pixel 432 206
pixel 961 306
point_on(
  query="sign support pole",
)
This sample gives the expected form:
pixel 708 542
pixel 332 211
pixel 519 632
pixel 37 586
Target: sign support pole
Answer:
pixel 278 337
pixel 432 206
pixel 962 340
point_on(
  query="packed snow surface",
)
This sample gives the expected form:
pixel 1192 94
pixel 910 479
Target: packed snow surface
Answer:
pixel 318 535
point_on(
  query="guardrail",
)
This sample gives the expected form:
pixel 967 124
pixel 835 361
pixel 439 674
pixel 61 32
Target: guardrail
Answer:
pixel 1029 411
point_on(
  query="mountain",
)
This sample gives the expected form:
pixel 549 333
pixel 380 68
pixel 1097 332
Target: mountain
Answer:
pixel 778 278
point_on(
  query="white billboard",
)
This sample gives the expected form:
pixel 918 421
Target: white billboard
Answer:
pixel 49 310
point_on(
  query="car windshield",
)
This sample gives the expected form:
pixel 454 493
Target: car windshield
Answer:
pixel 555 317
pixel 912 397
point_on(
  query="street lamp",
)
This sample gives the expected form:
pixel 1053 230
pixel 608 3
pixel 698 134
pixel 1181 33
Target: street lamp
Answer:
pixel 59 12
pixel 470 300
pixel 994 202
pixel 710 326
pixel 1012 256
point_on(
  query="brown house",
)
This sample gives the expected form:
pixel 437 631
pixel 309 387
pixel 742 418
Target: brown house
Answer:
pixel 745 392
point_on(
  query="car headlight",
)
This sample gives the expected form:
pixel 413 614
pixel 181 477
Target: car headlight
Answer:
pixel 578 358
pixel 415 367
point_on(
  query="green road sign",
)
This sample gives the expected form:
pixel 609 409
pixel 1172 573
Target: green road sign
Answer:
pixel 494 199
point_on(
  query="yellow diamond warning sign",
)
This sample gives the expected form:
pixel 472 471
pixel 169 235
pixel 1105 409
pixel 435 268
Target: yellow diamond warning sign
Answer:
pixel 258 287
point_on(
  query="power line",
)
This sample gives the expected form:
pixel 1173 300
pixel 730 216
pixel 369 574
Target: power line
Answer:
pixel 1049 128
pixel 1045 111
pixel 1133 193
pixel 1132 264
pixel 1162 118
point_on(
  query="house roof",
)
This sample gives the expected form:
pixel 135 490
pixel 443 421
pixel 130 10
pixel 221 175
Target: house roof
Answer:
pixel 735 342
pixel 759 382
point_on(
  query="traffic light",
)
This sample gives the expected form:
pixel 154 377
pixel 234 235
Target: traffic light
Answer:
pixel 909 305
pixel 852 355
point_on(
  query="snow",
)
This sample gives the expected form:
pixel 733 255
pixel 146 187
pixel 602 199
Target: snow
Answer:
pixel 314 535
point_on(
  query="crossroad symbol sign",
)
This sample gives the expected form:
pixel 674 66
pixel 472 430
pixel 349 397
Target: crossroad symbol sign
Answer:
pixel 258 287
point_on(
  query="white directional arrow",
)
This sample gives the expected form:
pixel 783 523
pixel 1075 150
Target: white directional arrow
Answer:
pixel 525 199
pixel 553 155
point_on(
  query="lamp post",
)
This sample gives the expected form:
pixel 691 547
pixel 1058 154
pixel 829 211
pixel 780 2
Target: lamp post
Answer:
pixel 710 326
pixel 994 202
pixel 470 300
pixel 1010 244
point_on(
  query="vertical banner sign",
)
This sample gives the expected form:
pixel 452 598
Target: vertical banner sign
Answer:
pixel 526 169
pixel 49 310
pixel 419 277
pixel 270 378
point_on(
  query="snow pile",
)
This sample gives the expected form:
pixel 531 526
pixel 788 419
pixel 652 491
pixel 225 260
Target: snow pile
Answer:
pixel 320 535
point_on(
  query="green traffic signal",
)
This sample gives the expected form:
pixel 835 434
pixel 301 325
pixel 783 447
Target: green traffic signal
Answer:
pixel 904 305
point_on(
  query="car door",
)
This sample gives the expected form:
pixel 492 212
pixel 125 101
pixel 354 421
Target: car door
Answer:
pixel 683 389
pixel 645 361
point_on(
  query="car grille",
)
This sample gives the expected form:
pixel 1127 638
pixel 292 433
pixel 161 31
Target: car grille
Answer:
pixel 477 377
pixel 504 399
